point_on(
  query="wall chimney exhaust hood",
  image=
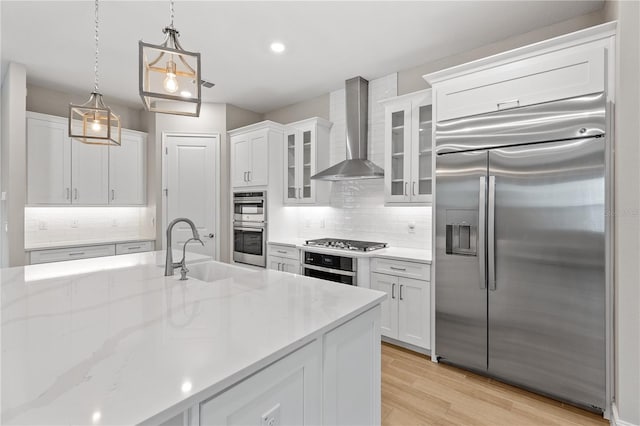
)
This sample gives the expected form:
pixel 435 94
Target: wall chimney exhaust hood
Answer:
pixel 356 166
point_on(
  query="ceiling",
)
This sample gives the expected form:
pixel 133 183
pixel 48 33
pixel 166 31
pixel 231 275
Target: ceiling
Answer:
pixel 327 42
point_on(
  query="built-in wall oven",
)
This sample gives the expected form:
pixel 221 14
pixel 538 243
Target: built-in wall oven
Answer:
pixel 341 269
pixel 249 228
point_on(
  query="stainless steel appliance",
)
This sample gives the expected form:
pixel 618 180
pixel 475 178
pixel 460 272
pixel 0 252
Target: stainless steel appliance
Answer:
pixel 341 269
pixel 520 247
pixel 249 228
pixel 345 244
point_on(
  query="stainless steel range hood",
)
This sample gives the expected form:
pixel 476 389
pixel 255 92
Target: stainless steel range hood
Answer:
pixel 356 166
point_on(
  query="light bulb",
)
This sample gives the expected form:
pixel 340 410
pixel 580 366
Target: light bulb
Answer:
pixel 95 126
pixel 171 83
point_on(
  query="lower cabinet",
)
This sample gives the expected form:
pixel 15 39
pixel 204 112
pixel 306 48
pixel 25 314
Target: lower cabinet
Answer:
pixel 87 252
pixel 283 264
pixel 405 312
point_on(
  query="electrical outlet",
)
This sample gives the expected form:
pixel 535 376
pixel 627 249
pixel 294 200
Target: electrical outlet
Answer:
pixel 412 227
pixel 271 417
pixel 42 225
pixel 74 223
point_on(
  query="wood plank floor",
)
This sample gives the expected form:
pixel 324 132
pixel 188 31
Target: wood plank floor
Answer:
pixel 416 391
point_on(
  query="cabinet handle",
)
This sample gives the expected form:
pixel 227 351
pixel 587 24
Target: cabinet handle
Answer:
pixel 75 193
pixel 79 253
pixel 249 176
pixel 244 176
pixel 68 193
pixel 279 266
pixel 414 188
pixel 395 268
pixel 300 193
pixel 281 251
pixel 401 285
pixel 134 248
pixel 113 194
pixel 393 290
pixel 508 104
pixel 406 184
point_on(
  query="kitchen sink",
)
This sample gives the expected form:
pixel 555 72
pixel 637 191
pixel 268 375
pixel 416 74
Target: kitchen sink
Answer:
pixel 214 271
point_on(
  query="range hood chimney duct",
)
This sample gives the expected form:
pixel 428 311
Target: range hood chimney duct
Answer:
pixel 356 166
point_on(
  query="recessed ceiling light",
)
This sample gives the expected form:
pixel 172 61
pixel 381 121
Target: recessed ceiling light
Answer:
pixel 277 47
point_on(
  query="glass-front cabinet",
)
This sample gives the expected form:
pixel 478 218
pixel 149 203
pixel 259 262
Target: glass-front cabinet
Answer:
pixel 306 153
pixel 408 148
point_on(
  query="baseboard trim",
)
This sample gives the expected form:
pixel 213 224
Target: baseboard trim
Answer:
pixel 405 345
pixel 615 418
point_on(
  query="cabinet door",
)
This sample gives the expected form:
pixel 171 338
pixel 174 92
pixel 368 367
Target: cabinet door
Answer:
pixel 240 159
pixel 259 159
pixel 289 265
pixel 413 312
pixel 421 152
pixel 307 165
pixel 389 319
pixel 287 392
pixel 90 173
pixel 398 152
pixel 274 263
pixel 127 170
pixel 291 172
pixel 48 162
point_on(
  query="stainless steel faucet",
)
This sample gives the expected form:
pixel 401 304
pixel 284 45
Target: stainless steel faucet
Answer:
pixel 170 265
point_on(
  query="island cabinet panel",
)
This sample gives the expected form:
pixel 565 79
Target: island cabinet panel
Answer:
pixel 287 392
pixel 351 372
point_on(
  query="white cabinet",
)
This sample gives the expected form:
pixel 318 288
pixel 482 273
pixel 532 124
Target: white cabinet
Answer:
pixel 283 258
pixel 408 148
pixel 405 312
pixel 127 171
pixel 72 253
pixel 48 162
pixel 89 173
pixel 250 159
pixel 135 247
pixel 287 392
pixel 64 171
pixel 306 153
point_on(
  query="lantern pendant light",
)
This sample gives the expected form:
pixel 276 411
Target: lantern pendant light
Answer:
pixel 169 76
pixel 93 122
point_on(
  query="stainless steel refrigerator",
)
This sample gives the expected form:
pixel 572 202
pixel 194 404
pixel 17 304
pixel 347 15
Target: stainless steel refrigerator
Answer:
pixel 520 247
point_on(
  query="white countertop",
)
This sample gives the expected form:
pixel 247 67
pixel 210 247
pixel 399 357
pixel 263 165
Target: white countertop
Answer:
pixel 114 336
pixel 396 253
pixel 65 244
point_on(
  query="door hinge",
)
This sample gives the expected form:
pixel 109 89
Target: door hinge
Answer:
pixel 166 192
pixel 166 150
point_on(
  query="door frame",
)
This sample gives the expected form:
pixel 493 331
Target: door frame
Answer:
pixel 163 194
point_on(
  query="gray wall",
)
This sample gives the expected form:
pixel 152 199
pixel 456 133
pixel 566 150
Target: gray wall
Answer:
pixel 314 107
pixel 54 101
pixel 627 209
pixel 239 117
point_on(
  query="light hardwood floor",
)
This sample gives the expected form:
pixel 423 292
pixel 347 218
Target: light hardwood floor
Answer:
pixel 416 391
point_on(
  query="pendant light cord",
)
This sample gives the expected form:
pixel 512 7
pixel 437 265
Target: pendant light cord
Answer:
pixel 95 68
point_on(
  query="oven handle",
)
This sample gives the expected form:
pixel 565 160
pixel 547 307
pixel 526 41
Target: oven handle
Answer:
pixel 249 201
pixel 331 271
pixel 236 228
pixel 249 224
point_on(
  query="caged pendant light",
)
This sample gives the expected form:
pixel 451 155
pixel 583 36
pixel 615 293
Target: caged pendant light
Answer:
pixel 169 76
pixel 93 122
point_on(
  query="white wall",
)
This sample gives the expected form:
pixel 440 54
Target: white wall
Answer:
pixel 314 107
pixel 627 210
pixel 14 176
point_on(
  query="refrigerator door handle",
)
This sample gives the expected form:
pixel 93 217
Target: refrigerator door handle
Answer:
pixel 482 206
pixel 491 225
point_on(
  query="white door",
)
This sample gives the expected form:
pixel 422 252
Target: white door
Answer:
pixel 89 173
pixel 259 159
pixel 190 174
pixel 274 262
pixel 291 164
pixel 241 160
pixel 289 265
pixel 127 170
pixel 421 150
pixel 48 162
pixel 413 315
pixel 398 152
pixel 389 319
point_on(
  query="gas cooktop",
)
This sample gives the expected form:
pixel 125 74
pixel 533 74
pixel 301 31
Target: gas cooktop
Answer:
pixel 345 244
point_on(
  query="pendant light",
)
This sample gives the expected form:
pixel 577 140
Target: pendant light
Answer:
pixel 169 76
pixel 93 122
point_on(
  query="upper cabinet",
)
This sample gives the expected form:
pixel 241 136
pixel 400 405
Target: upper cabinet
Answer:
pixel 63 171
pixel 306 153
pixel 408 148
pixel 250 153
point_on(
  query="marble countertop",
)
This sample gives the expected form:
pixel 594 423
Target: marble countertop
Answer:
pixel 395 253
pixel 65 244
pixel 112 341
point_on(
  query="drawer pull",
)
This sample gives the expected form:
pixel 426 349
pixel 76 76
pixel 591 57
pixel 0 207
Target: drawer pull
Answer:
pixel 134 248
pixel 78 253
pixel 513 103
pixel 401 285
pixel 281 251
pixel 395 268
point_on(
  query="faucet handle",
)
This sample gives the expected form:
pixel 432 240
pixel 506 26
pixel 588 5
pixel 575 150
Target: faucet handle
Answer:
pixel 183 272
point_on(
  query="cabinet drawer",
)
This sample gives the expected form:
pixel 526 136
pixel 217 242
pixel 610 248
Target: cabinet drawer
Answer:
pixel 139 247
pixel 58 255
pixel 552 76
pixel 284 251
pixel 419 271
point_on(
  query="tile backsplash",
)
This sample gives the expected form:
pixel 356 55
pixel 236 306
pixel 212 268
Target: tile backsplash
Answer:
pixel 357 209
pixel 44 225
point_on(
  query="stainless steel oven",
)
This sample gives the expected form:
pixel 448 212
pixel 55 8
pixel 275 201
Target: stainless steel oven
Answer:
pixel 341 269
pixel 249 228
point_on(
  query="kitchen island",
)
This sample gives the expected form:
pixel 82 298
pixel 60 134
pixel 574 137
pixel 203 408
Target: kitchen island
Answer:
pixel 112 341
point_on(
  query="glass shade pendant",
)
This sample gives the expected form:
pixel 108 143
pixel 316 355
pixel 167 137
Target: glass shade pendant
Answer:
pixel 169 76
pixel 93 122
